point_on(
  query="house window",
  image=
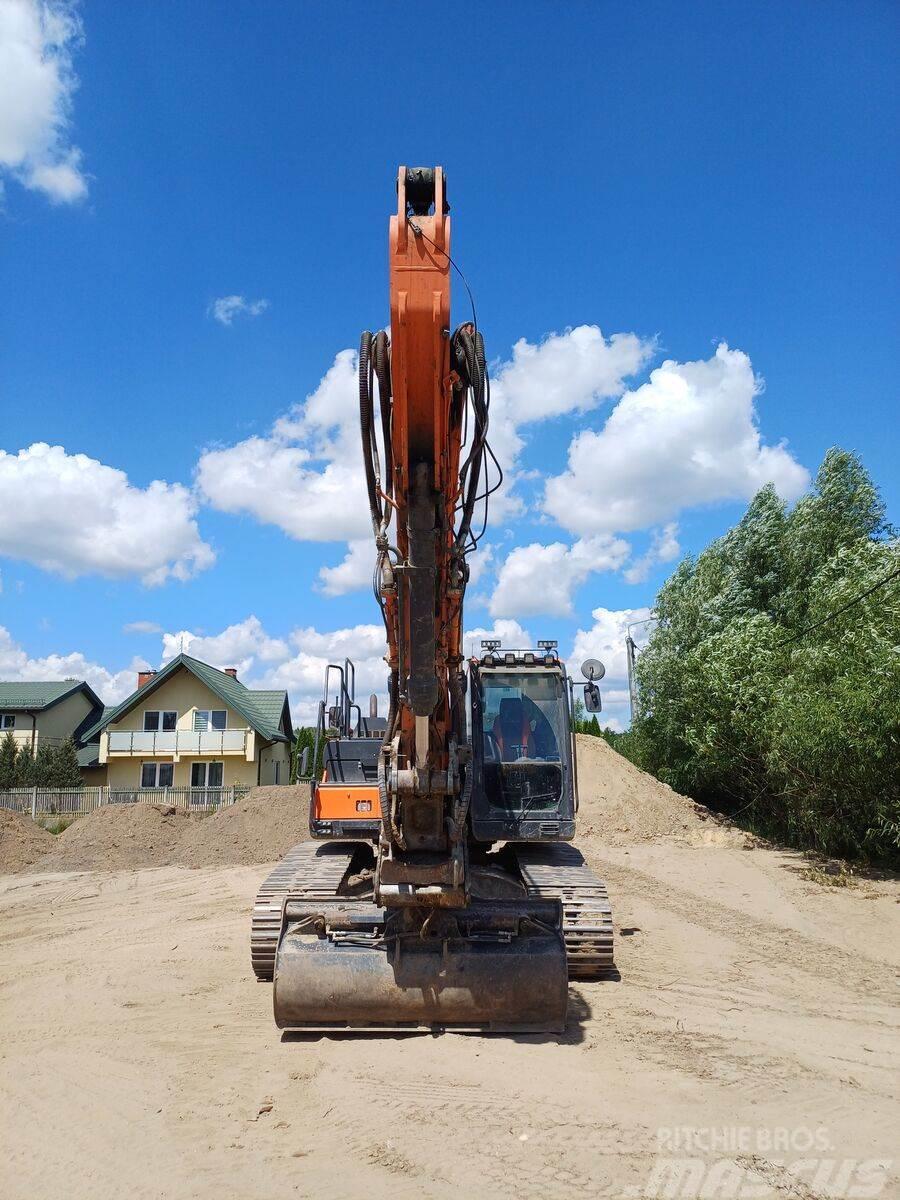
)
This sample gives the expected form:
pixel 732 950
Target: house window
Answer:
pixel 278 772
pixel 207 775
pixel 209 718
pixel 155 774
pixel 155 721
pixel 7 720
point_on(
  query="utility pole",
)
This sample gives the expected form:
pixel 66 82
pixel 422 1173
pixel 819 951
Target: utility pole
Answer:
pixel 632 682
pixel 630 655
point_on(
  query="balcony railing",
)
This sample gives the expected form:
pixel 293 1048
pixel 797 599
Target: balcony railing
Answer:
pixel 178 741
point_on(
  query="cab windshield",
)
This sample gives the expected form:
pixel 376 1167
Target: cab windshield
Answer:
pixel 525 735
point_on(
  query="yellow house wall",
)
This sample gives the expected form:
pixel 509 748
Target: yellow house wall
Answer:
pixel 22 731
pixel 63 719
pixel 275 752
pixel 125 773
pixel 183 693
pixel 94 776
pixel 55 725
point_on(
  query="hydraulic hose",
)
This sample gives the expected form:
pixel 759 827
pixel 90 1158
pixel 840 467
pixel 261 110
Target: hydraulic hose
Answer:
pixel 469 352
pixel 367 423
pixel 382 358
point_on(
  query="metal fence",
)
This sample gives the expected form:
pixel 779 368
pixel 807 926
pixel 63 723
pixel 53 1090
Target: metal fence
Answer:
pixel 78 802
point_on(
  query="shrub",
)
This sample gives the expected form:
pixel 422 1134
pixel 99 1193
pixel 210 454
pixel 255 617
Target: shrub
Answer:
pixel 758 695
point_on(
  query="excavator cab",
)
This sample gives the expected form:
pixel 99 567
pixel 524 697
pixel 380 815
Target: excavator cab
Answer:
pixel 522 747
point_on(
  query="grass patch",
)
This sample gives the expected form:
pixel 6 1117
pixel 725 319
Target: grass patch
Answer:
pixel 831 875
pixel 56 825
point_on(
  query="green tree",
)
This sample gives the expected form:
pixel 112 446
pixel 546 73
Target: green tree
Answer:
pixel 305 737
pixel 65 771
pixel 755 698
pixel 43 764
pixel 842 509
pixel 26 775
pixel 835 723
pixel 8 754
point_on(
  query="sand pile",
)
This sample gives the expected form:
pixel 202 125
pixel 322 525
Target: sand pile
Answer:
pixel 119 837
pixel 259 829
pixel 621 805
pixel 21 841
pixel 125 837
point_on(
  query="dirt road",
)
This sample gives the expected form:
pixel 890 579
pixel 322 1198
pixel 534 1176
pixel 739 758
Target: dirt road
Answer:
pixel 756 1008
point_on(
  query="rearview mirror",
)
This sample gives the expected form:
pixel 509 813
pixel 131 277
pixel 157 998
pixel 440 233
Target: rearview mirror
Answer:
pixel 592 701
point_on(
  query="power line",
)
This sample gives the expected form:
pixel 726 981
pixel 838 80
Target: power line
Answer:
pixel 837 612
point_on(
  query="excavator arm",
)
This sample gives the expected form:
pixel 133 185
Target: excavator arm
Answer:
pixel 423 491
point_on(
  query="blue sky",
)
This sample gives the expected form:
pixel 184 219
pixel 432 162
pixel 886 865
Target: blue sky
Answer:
pixel 687 177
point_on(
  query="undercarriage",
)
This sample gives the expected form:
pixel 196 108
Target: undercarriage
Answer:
pixel 537 918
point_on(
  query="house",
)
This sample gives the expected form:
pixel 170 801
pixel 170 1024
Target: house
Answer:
pixel 192 725
pixel 47 713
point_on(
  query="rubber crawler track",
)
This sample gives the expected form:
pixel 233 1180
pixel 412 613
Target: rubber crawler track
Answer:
pixel 555 871
pixel 558 870
pixel 312 869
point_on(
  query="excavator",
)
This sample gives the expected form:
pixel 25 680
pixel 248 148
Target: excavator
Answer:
pixel 439 889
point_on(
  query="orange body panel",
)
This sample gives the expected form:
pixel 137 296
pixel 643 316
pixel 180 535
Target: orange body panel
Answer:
pixel 338 801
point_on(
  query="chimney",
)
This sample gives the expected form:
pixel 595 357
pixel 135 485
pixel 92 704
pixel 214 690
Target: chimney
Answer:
pixel 144 677
pixel 232 671
pixel 373 706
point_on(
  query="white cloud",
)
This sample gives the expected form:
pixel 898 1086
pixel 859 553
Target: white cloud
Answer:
pixel 302 672
pixel 664 547
pixel 565 373
pixel 74 515
pixel 37 83
pixel 110 686
pixel 511 634
pixel 296 663
pixel 481 561
pixel 569 372
pixel 542 578
pixel 226 308
pixel 306 477
pixel 686 437
pixel 353 573
pixel 242 645
pixel 606 640
pixel 142 627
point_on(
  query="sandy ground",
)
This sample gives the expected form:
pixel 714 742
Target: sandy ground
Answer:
pixel 754 1030
pixel 139 1057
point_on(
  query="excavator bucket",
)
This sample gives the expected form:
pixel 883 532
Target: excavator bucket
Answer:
pixel 351 966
